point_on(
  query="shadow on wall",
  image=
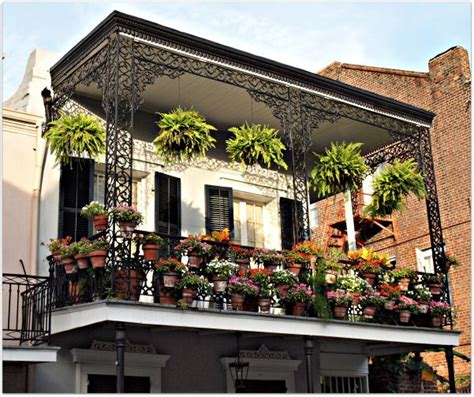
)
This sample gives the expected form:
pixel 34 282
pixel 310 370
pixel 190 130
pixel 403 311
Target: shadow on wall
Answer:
pixel 193 219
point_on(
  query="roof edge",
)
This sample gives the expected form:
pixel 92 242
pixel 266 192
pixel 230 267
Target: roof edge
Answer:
pixel 377 69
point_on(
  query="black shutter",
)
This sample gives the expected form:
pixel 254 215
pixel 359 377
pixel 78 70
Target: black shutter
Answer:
pixel 219 209
pixel 76 189
pixel 167 204
pixel 287 210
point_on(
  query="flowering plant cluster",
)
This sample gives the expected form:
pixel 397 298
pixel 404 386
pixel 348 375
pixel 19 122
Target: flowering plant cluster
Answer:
pixel 235 252
pixel 308 248
pixel 192 281
pixel 406 303
pixel 151 238
pixel 124 213
pixel 222 236
pixel 193 244
pixel 299 293
pixel 100 244
pixel 171 265
pixel 369 261
pixel 352 283
pixel 94 208
pixel 269 256
pixel 242 285
pixel 420 293
pixel 296 257
pixel 282 277
pixel 373 298
pixel 405 272
pixel 339 297
pixel 221 268
pixel 440 308
pixel 390 291
pixel 55 245
pixel 69 251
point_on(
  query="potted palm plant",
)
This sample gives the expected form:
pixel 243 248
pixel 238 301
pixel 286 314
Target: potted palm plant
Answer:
pixel 340 299
pixel 392 185
pixel 297 297
pixel 127 218
pixel 171 270
pixel 184 134
pixel 98 213
pixel 75 135
pixel 221 270
pixel 240 288
pixel 195 249
pixel 151 244
pixel 256 144
pixel 98 252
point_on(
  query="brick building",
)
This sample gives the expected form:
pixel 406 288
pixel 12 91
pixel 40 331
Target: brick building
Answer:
pixel 446 90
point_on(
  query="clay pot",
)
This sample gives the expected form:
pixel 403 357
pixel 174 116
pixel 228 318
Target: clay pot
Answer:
pixel 389 304
pixel 237 301
pixel 127 229
pixel 331 276
pixel 405 316
pixel 251 305
pixel 150 252
pixel 166 298
pixel 195 260
pixel 82 261
pixel 437 321
pixel 56 257
pixel 298 308
pixel 370 278
pixel 264 304
pixel 100 222
pixel 423 307
pixel 121 284
pixel 283 290
pixel 355 298
pixel 98 258
pixel 170 279
pixel 244 264
pixel 294 268
pixel 404 283
pixel 220 284
pixel 69 265
pixel 189 295
pixel 340 312
pixel 369 311
pixel 435 289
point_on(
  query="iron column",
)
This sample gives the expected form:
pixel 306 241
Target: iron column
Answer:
pixel 120 363
pixel 308 352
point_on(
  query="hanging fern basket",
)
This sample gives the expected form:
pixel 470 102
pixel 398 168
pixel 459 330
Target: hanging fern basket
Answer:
pixel 184 135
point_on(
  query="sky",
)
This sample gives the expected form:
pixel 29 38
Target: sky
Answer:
pixel 308 35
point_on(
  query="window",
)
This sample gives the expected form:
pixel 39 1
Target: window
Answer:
pixel 167 204
pixel 248 223
pixel 99 189
pixel 344 384
pixel 424 260
pixel 313 216
pixel 219 209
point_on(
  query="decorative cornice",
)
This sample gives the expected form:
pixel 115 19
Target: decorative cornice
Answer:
pixel 129 347
pixel 264 354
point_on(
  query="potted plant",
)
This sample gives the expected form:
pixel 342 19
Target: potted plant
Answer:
pixel 256 144
pixel 171 270
pixel 241 256
pixel 340 300
pixel 67 257
pixel 391 294
pixel 439 310
pixel 127 218
pixel 352 284
pixel 435 282
pixel 195 249
pixel 261 278
pixel 283 280
pixel 189 285
pixel 184 135
pixel 392 185
pixel 75 135
pixel 294 261
pixel 311 249
pixel 222 236
pixel 369 271
pixel 241 287
pixel 298 296
pixel 82 256
pixel 151 244
pixel 220 270
pixel 98 252
pixel 407 307
pixel 330 267
pixel 450 261
pixel 269 258
pixel 404 277
pixel 98 213
pixel 369 263
pixel 422 295
pixel 128 283
pixel 55 246
pixel 370 303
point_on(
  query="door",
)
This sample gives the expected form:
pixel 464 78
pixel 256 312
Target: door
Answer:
pixel 262 386
pixel 107 384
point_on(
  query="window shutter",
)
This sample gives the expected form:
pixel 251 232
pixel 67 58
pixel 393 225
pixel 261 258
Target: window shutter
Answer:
pixel 219 209
pixel 76 187
pixel 286 223
pixel 167 204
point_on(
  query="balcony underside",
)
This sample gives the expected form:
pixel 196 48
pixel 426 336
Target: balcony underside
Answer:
pixel 379 339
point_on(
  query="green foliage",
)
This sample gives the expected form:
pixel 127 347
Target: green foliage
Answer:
pixel 341 167
pixel 392 185
pixel 319 304
pixel 403 273
pixel 92 209
pixel 74 136
pixel 69 251
pixel 256 144
pixel 184 134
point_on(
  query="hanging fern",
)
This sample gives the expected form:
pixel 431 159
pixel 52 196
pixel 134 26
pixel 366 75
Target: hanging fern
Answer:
pixel 341 167
pixel 184 134
pixel 393 185
pixel 256 144
pixel 74 136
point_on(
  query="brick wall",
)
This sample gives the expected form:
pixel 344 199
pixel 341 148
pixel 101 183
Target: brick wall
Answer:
pixel 445 90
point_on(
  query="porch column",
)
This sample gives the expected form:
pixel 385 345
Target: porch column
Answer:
pixel 120 363
pixel 308 352
pixel 448 350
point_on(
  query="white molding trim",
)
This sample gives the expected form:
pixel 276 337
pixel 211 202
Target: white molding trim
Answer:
pixel 78 316
pixel 30 354
pixel 89 361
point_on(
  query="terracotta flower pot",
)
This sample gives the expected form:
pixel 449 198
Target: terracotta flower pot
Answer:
pixel 150 252
pixel 340 312
pixel 123 278
pixel 82 261
pixel 435 289
pixel 220 284
pixel 405 316
pixel 437 321
pixel 369 311
pixel 355 298
pixel 264 304
pixel 189 295
pixel 423 307
pixel 298 308
pixel 237 301
pixel 98 258
pixel 195 260
pixel 331 276
pixel 56 257
pixel 170 279
pixel 127 229
pixel 244 264
pixel 69 265
pixel 404 283
pixel 283 290
pixel 389 304
pixel 251 305
pixel 100 222
pixel 294 268
pixel 370 278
